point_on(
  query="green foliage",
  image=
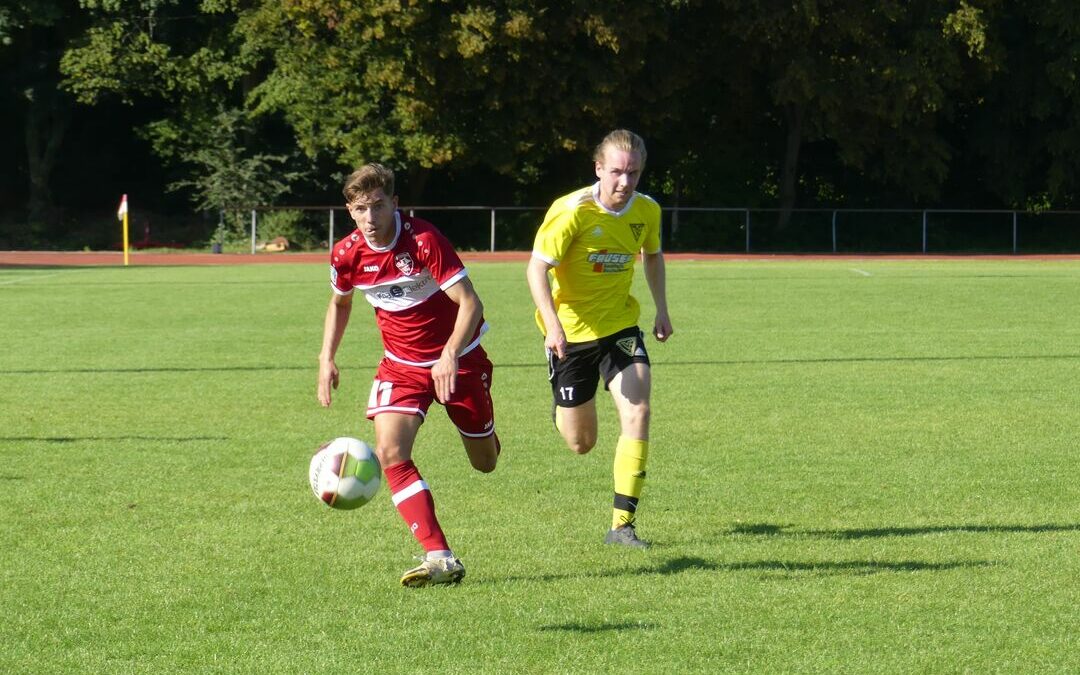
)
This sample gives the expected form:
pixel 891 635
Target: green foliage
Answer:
pixel 289 224
pixel 227 175
pixel 741 102
pixel 428 84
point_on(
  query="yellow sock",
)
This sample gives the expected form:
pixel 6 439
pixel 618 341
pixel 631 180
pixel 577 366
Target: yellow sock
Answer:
pixel 630 456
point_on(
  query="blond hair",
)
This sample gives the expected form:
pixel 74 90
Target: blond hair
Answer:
pixel 367 179
pixel 621 139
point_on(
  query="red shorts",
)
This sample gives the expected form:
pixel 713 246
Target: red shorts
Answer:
pixel 409 390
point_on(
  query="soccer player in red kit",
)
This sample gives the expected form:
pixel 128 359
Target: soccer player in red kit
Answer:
pixel 431 321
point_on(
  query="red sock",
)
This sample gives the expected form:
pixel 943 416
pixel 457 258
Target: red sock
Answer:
pixel 413 500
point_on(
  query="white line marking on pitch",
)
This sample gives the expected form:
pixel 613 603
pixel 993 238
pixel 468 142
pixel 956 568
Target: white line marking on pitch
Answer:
pixel 35 277
pixel 862 272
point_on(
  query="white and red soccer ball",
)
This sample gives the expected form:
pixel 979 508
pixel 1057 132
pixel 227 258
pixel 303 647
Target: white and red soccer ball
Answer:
pixel 345 473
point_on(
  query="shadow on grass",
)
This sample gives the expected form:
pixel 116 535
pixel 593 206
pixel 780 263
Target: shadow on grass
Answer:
pixel 785 568
pixel 585 628
pixel 874 359
pixel 83 439
pixel 541 364
pixel 772 530
pixel 153 369
pixel 789 568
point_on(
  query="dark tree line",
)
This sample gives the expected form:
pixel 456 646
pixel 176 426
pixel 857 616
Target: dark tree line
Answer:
pixel 203 106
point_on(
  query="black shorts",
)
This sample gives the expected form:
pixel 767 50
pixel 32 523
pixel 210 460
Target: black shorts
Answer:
pixel 574 377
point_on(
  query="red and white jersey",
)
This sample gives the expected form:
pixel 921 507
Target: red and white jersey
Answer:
pixel 405 283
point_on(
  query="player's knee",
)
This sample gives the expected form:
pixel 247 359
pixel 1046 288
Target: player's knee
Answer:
pixel 636 416
pixel 485 463
pixel 581 443
pixel 484 455
pixel 391 454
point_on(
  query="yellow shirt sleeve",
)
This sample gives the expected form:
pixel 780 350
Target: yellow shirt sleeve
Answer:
pixel 557 232
pixel 651 242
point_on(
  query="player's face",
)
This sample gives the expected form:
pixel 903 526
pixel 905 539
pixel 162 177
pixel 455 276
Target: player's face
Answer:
pixel 373 213
pixel 619 174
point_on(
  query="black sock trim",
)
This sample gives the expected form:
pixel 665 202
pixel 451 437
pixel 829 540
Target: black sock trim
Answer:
pixel 625 503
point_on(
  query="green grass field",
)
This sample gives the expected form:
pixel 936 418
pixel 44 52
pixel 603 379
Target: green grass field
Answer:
pixel 857 466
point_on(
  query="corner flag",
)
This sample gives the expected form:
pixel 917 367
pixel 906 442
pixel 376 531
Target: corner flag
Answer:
pixel 122 215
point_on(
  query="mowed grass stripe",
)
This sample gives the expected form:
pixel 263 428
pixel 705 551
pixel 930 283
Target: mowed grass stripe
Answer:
pixel 848 473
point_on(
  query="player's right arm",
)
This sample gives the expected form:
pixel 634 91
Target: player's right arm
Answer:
pixel 337 318
pixel 540 288
pixel 552 241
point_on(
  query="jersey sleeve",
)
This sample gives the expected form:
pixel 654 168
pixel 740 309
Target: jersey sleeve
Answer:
pixel 556 233
pixel 341 273
pixel 441 259
pixel 651 243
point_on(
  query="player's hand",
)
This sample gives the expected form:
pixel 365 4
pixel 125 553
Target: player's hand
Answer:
pixel 444 375
pixel 662 329
pixel 328 378
pixel 556 342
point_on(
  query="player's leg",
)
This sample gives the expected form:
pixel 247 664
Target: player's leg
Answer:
pixel 400 398
pixel 473 413
pixel 394 436
pixel 630 389
pixel 578 425
pixel 573 388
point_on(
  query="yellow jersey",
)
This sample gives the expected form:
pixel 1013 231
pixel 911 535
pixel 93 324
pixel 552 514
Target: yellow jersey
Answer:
pixel 593 250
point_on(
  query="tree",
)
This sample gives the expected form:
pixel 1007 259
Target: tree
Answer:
pixel 33 35
pixel 1023 132
pixel 875 80
pixel 430 85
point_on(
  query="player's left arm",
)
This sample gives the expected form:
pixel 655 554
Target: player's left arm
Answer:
pixel 656 275
pixel 470 312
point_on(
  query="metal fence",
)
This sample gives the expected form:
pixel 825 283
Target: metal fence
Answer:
pixel 751 230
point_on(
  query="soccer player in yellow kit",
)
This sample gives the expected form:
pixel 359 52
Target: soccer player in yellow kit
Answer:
pixel 579 275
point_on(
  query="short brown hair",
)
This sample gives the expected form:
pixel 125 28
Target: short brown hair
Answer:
pixel 367 179
pixel 621 139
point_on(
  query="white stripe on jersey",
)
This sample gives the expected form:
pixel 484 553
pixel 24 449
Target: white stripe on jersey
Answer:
pixel 541 256
pixel 482 434
pixel 401 293
pixel 396 408
pixel 454 279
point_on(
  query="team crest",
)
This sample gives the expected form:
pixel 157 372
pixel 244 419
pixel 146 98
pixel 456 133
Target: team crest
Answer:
pixel 404 262
pixel 627 344
pixel 636 228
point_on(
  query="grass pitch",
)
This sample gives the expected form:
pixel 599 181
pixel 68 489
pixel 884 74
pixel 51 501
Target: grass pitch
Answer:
pixel 856 466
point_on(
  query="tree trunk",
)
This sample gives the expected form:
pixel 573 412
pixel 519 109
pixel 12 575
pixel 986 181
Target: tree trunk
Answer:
pixel 48 115
pixel 793 113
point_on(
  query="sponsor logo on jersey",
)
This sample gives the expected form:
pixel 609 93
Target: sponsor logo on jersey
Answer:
pixel 627 344
pixel 404 262
pixel 602 261
pixel 396 291
pixel 371 268
pixel 636 228
pixel 333 275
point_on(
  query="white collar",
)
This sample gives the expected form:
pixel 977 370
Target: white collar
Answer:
pixel 596 198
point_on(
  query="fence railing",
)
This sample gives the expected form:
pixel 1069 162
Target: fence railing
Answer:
pixel 760 230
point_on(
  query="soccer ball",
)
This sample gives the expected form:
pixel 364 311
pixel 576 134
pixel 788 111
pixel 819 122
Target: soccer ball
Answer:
pixel 345 473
